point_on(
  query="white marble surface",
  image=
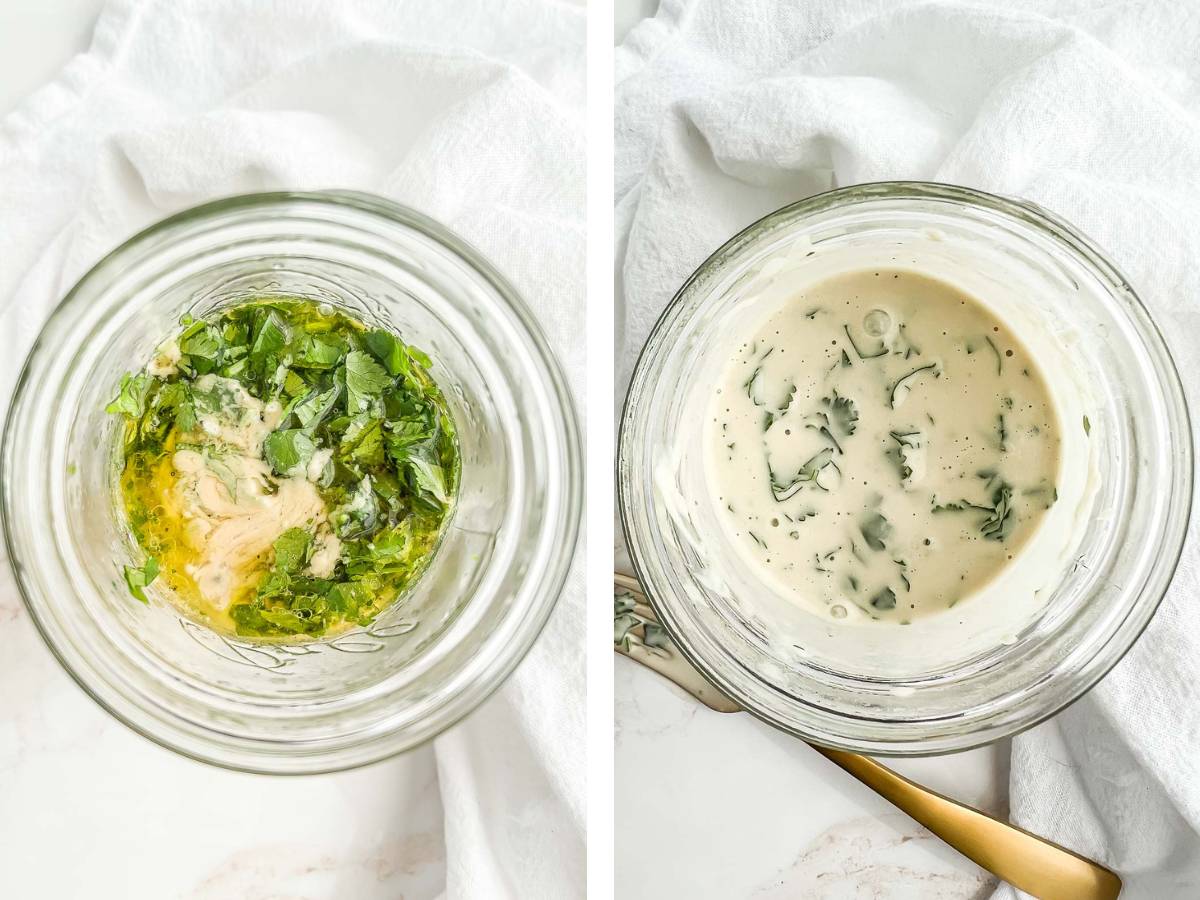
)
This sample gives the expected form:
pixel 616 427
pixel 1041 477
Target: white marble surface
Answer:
pixel 91 811
pixel 712 805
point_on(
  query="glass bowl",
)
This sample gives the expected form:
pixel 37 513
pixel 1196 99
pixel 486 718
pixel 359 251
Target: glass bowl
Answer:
pixel 993 665
pixel 461 628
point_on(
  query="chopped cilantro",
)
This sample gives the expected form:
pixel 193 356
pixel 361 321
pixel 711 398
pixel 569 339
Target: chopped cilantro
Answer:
pixel 999 522
pixel 876 530
pixel 131 401
pixel 365 381
pixel 428 478
pixel 270 338
pixel 293 384
pixel 901 387
pixel 316 408
pixel 843 414
pixel 291 550
pixel 138 578
pixel 316 352
pixel 388 350
pixel 885 599
pixel 359 515
pixel 288 451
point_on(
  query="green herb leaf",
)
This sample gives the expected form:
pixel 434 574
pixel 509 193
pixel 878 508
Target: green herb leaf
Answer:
pixel 285 620
pixel 275 583
pixel 908 445
pixel 139 578
pixel 131 399
pixel 1000 517
pixel 885 599
pixel 313 411
pixel 876 530
pixel 203 349
pixel 999 358
pixel 393 551
pixel 901 388
pixel 363 442
pixel 291 550
pixel 901 344
pixel 999 523
pixel 389 351
pixel 420 357
pixel 429 479
pixel 359 515
pixel 293 384
pixel 654 635
pixel 843 414
pixel 419 462
pixel 271 338
pixel 749 386
pixel 316 353
pixel 810 472
pixel 347 598
pixel 365 380
pixel 623 626
pixel 211 400
pixel 166 404
pixel 288 451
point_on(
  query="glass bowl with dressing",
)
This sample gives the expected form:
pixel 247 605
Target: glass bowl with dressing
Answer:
pixel 905 468
pixel 243 694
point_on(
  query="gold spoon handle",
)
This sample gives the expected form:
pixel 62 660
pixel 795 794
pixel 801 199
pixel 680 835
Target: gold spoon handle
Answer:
pixel 1026 861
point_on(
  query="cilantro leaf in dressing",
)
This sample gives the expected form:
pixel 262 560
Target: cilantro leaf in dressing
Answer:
pixel 288 451
pixel 139 577
pixel 131 400
pixel 291 550
pixel 388 350
pixel 312 352
pixel 271 337
pixel 316 408
pixel 365 380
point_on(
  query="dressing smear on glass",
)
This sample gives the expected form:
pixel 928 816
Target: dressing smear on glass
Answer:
pixel 286 470
pixel 883 446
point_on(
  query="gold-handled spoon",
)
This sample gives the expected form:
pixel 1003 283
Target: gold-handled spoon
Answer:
pixel 1026 861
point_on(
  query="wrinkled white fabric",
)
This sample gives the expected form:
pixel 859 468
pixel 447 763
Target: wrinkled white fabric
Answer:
pixel 726 111
pixel 471 112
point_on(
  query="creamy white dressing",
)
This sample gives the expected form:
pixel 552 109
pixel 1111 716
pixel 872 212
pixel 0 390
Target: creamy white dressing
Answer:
pixel 883 445
pixel 166 360
pixel 327 550
pixel 233 506
pixel 229 414
pixel 316 465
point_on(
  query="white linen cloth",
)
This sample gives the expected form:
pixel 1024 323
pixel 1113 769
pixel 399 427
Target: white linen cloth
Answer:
pixel 471 112
pixel 726 111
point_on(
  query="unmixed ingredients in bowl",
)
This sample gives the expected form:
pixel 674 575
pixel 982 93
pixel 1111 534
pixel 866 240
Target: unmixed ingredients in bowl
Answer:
pixel 286 470
pixel 883 446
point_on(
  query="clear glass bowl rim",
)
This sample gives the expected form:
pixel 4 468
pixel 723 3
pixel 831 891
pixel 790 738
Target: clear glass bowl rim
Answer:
pixel 1095 669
